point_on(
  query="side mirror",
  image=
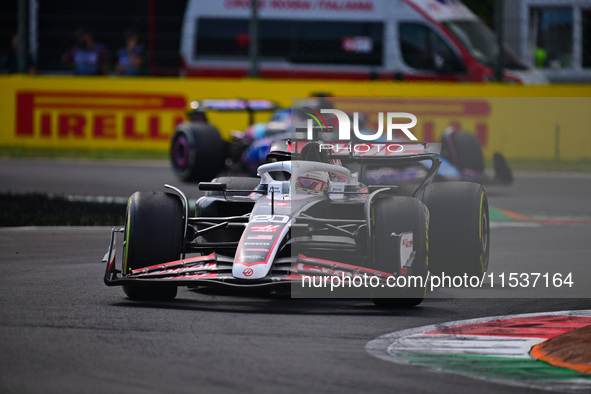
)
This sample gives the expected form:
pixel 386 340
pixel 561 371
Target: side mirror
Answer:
pixel 439 63
pixel 448 64
pixel 212 186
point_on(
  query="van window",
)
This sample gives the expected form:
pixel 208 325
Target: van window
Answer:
pixel 320 42
pixel 481 43
pixel 423 49
pixel 554 35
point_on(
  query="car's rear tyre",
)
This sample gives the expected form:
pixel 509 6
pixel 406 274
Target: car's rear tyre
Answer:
pixel 398 215
pixel 463 149
pixel 153 234
pixel 197 152
pixel 459 228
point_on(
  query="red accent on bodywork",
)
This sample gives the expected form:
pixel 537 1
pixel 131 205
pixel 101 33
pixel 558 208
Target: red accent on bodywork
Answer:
pixel 343 265
pixel 209 257
pixel 193 276
pixel 245 234
pixel 112 262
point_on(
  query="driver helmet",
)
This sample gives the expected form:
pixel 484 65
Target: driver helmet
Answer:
pixel 312 182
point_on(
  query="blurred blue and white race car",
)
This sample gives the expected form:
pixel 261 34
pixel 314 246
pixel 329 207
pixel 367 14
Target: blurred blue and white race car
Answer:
pixel 198 152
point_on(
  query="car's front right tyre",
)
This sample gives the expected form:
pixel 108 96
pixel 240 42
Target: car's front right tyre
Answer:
pixel 153 235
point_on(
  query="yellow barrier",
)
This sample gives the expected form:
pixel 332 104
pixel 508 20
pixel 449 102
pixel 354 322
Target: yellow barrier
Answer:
pixel 523 122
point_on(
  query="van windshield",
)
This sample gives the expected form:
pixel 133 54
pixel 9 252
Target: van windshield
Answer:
pixel 481 43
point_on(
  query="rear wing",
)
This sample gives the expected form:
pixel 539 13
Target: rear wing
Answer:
pixel 343 149
pixel 236 105
pixel 357 150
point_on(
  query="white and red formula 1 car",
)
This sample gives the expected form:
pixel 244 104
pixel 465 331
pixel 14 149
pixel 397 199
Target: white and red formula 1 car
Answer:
pixel 305 216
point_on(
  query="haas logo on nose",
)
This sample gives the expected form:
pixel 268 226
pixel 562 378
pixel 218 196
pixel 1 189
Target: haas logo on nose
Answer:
pixel 248 272
pixel 407 243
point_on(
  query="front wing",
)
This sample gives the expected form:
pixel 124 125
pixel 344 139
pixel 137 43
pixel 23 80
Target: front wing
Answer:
pixel 216 270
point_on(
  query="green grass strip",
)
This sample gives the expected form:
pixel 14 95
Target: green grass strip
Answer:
pixel 494 367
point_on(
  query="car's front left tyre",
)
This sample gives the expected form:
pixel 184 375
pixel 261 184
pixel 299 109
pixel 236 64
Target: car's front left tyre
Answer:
pixel 389 218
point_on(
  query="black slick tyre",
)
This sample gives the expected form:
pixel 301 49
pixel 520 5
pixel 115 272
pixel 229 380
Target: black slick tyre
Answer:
pixel 153 234
pixel 463 149
pixel 459 228
pixel 197 152
pixel 396 215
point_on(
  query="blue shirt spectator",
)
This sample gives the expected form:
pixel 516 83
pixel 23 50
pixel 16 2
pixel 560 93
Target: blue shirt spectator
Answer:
pixel 87 57
pixel 131 58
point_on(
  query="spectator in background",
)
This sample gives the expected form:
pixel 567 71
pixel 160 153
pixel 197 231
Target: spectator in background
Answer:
pixel 132 57
pixel 9 63
pixel 87 57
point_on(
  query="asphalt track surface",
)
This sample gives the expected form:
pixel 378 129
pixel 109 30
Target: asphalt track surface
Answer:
pixel 62 330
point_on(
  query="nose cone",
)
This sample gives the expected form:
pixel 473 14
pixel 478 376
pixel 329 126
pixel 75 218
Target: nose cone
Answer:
pixel 242 271
pixel 257 249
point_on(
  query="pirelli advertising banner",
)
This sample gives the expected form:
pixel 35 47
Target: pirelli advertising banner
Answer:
pixel 536 122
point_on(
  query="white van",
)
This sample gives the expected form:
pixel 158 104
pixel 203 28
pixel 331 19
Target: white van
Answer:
pixel 426 40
